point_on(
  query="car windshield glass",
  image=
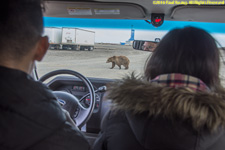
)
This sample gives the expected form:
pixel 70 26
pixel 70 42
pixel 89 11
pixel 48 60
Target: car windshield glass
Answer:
pixel 84 45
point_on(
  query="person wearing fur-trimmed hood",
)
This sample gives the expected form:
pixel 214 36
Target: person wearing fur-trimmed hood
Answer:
pixel 179 103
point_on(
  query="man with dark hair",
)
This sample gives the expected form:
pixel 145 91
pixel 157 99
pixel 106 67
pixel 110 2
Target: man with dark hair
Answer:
pixel 149 46
pixel 31 117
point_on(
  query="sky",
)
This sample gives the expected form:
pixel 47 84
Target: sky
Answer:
pixel 116 31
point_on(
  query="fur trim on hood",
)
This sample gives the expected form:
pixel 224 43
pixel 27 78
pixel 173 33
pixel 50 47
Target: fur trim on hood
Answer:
pixel 201 109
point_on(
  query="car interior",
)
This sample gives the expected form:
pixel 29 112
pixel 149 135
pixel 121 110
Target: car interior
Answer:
pixel 83 95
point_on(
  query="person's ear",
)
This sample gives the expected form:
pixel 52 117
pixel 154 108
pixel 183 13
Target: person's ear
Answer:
pixel 42 48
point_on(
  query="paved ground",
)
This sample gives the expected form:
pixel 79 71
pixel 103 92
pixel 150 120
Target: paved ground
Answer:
pixel 93 63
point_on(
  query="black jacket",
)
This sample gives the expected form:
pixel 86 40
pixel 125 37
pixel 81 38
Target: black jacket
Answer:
pixel 31 118
pixel 146 116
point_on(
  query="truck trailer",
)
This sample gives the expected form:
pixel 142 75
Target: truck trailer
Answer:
pixel 77 39
pixel 54 37
pixel 70 38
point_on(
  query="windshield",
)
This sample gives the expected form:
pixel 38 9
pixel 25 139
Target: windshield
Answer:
pixel 84 45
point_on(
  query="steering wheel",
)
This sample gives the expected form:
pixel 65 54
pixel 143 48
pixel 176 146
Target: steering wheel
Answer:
pixel 71 103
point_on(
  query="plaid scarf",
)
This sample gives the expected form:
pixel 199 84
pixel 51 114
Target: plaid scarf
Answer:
pixel 177 80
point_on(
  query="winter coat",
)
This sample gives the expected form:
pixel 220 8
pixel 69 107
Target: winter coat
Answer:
pixel 149 116
pixel 31 118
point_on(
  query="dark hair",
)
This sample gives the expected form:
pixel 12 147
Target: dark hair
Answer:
pixel 189 51
pixel 21 26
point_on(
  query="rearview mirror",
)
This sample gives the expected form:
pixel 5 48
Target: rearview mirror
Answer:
pixel 145 45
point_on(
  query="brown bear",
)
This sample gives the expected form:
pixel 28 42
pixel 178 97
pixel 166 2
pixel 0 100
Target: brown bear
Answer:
pixel 119 60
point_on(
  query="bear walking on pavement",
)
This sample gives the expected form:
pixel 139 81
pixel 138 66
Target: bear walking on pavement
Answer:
pixel 119 60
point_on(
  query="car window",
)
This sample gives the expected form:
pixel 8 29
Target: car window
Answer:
pixel 84 45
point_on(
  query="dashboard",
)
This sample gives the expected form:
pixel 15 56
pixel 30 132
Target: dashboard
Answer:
pixel 77 87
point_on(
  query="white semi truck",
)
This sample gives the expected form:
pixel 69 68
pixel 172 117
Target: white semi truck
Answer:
pixel 71 39
pixel 78 39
